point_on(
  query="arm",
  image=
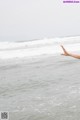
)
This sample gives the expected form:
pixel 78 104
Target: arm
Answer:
pixel 69 54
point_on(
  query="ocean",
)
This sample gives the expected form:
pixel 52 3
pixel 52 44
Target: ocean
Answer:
pixel 37 83
pixel 9 50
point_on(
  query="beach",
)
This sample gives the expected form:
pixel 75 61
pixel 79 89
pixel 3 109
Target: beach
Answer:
pixel 40 88
pixel 39 60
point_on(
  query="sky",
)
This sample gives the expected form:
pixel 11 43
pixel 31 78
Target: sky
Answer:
pixel 22 20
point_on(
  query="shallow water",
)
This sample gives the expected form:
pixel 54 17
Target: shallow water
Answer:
pixel 45 88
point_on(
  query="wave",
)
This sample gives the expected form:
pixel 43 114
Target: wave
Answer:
pixel 37 47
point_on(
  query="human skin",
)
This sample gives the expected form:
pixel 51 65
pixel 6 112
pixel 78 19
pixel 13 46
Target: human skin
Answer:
pixel 66 53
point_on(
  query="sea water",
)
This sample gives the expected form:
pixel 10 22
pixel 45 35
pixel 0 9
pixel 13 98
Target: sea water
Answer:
pixel 38 47
pixel 42 89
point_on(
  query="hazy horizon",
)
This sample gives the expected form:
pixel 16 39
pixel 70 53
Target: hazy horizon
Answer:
pixel 37 19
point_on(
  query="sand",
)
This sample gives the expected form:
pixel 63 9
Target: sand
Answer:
pixel 40 88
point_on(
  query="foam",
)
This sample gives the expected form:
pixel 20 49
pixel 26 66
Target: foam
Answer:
pixel 45 46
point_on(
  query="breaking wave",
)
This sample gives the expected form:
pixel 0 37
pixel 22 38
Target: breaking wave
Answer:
pixel 38 47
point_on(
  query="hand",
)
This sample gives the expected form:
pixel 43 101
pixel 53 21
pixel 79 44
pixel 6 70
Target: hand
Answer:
pixel 65 52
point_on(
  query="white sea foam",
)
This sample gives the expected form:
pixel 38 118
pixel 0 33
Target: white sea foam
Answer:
pixel 37 47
